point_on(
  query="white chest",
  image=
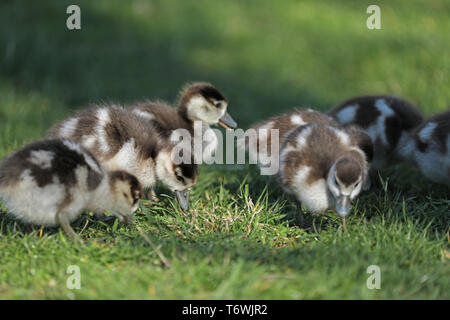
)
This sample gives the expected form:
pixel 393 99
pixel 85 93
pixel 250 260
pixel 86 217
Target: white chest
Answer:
pixel 314 196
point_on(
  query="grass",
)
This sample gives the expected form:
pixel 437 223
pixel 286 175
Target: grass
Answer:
pixel 239 239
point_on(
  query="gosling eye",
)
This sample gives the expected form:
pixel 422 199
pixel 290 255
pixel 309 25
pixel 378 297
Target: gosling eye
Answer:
pixel 125 195
pixel 180 178
pixel 218 104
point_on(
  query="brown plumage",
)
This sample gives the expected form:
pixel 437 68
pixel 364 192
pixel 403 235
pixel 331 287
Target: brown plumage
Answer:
pixel 121 127
pixel 428 147
pixel 166 118
pixel 387 120
pixel 199 106
pixel 360 138
pixel 407 114
pixel 439 135
pixel 64 171
pixel 283 123
pixel 323 167
pixel 322 148
pixel 296 118
pixel 293 119
pixel 348 169
pixel 52 182
pixel 136 190
pixel 120 139
pixel 204 89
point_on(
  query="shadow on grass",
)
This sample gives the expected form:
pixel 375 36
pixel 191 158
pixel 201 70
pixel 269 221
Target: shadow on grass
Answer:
pixel 118 58
pixel 9 226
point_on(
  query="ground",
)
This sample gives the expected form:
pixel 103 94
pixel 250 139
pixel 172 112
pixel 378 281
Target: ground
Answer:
pixel 239 240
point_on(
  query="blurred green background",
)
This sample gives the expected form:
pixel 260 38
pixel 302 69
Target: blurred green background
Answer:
pixel 267 57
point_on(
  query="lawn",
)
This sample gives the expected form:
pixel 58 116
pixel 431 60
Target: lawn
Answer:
pixel 239 239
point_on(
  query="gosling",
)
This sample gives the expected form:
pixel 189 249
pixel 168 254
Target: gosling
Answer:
pixel 51 182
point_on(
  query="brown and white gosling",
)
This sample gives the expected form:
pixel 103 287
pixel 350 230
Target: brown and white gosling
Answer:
pixel 121 140
pixel 428 147
pixel 198 101
pixel 387 120
pixel 323 167
pixel 285 123
pixel 51 182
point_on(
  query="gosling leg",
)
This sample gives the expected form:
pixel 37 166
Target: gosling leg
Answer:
pixel 151 195
pixel 301 217
pixel 344 226
pixel 65 224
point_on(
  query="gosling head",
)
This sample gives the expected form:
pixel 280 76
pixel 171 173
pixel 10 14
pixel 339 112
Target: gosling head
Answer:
pixel 178 177
pixel 203 102
pixel 185 177
pixel 345 180
pixel 126 192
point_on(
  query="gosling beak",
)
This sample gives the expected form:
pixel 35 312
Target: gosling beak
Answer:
pixel 183 199
pixel 344 225
pixel 227 121
pixel 343 206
